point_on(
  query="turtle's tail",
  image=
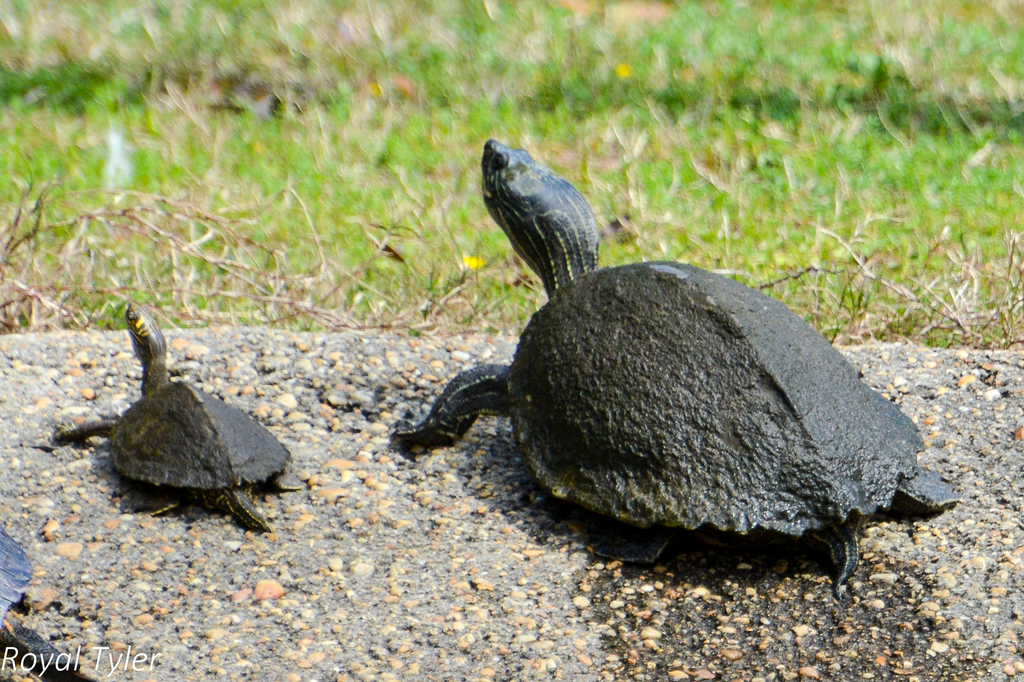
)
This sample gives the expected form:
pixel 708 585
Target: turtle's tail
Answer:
pixel 27 652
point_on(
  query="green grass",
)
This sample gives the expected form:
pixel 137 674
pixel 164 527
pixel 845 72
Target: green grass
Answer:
pixel 876 148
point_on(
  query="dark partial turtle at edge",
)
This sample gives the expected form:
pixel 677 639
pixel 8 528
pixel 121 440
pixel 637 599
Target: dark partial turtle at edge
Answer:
pixel 19 645
pixel 663 395
pixel 193 447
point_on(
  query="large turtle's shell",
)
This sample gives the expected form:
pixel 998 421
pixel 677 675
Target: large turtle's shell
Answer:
pixel 180 438
pixel 659 393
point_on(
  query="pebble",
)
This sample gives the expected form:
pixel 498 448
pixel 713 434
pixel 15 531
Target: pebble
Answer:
pixel 71 550
pixel 336 398
pixel 809 671
pixel 332 494
pixel 41 599
pixel 268 589
pixel 992 394
pixel 362 569
pixel 196 350
pixel 51 527
pixel 287 401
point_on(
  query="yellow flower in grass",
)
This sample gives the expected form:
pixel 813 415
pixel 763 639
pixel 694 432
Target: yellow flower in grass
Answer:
pixel 472 262
pixel 623 70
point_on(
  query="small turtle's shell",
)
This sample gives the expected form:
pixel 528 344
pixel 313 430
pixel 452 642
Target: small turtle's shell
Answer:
pixel 658 393
pixel 180 438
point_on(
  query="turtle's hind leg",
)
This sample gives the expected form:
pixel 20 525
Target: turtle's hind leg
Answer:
pixel 154 500
pixel 285 482
pixel 841 543
pixel 69 433
pixel 926 493
pixel 239 502
pixel 481 390
pixel 629 543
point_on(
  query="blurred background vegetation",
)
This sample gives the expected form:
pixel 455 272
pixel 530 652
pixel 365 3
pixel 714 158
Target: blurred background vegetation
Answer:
pixel 315 164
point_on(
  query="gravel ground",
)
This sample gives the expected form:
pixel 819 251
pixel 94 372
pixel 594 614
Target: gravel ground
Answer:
pixel 454 565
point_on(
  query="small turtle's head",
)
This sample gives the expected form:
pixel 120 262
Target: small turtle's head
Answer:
pixel 150 347
pixel 547 220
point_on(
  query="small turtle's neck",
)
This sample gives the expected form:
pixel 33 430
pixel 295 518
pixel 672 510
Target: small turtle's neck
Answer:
pixel 154 375
pixel 150 349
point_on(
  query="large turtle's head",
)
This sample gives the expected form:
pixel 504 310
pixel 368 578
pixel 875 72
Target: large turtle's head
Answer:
pixel 547 220
pixel 150 347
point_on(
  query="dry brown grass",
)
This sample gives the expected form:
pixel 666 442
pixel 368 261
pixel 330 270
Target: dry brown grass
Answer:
pixel 971 303
pixel 199 267
pixel 175 255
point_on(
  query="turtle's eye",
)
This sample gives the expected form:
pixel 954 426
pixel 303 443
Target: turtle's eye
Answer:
pixel 499 161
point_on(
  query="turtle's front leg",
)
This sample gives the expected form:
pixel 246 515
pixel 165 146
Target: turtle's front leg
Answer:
pixel 239 502
pixel 69 433
pixel 481 390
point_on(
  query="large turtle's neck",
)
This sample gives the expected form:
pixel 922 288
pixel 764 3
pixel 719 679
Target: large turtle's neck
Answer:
pixel 547 220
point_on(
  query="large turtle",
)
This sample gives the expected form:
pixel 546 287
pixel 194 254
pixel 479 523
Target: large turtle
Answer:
pixel 663 395
pixel 193 447
pixel 19 645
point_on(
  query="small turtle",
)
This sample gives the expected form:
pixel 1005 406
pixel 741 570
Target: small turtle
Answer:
pixel 666 396
pixel 193 447
pixel 23 646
